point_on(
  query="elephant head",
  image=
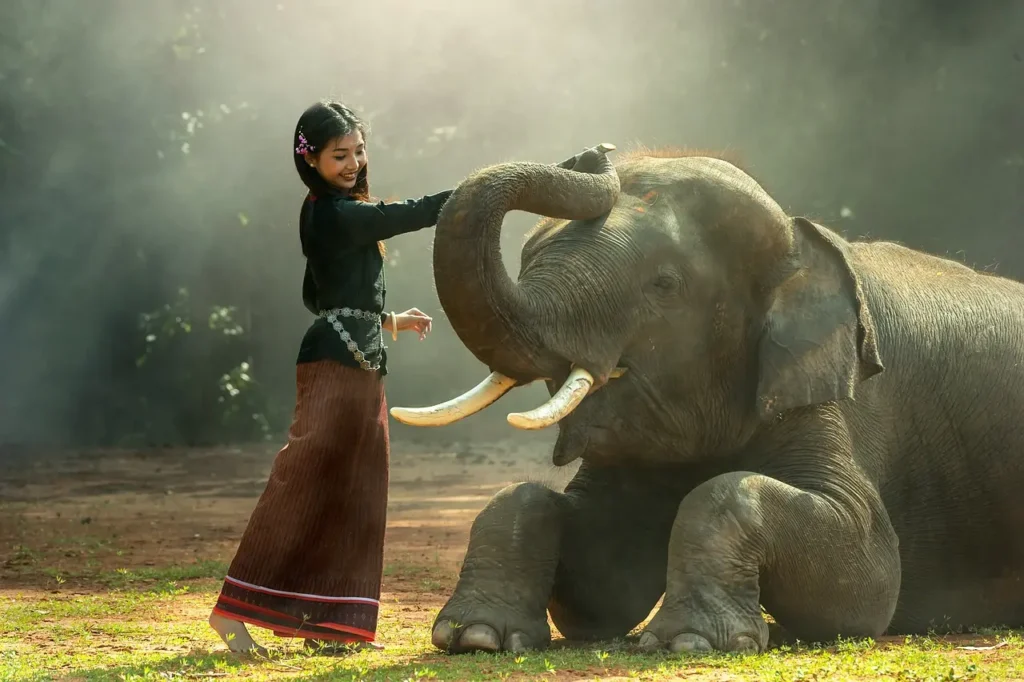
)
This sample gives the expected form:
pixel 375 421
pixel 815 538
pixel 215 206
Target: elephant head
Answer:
pixel 677 273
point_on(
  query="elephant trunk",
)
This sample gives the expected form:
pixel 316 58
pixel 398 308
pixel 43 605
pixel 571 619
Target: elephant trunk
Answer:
pixel 491 314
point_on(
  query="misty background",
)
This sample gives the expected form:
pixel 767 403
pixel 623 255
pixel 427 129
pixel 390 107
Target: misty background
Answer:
pixel 150 269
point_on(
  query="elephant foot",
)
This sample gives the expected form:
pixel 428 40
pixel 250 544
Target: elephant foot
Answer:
pixel 464 628
pixel 690 632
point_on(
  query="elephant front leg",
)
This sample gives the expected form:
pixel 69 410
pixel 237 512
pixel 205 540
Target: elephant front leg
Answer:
pixel 824 564
pixel 500 600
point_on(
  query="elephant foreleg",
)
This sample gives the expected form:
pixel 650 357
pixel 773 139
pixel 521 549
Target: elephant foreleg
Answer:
pixel 500 600
pixel 594 555
pixel 824 565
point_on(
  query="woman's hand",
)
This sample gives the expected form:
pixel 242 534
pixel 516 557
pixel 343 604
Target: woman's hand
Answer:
pixel 412 319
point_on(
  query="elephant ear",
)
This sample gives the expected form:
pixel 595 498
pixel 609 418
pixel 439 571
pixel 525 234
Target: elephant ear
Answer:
pixel 818 341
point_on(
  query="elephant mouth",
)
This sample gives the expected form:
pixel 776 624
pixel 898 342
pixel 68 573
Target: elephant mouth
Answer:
pixel 578 385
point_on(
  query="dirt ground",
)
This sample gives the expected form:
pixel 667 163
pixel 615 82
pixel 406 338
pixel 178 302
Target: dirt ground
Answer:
pixel 80 514
pixel 68 520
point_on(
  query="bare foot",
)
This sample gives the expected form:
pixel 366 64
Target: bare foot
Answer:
pixel 235 635
pixel 332 648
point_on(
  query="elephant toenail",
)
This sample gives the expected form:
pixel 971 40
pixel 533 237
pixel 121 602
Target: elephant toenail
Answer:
pixel 690 643
pixel 480 637
pixel 441 637
pixel 649 642
pixel 744 645
pixel 517 643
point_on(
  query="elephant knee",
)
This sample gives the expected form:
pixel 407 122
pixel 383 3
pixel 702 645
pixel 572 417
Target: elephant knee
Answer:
pixel 522 515
pixel 528 494
pixel 723 510
pixel 527 499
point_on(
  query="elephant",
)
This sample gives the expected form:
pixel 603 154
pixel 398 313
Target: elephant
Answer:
pixel 768 416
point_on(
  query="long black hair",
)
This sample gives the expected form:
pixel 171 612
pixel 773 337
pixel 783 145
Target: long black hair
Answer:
pixel 319 124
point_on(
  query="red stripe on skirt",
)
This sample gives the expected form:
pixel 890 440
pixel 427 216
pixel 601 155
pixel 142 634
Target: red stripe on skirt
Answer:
pixel 336 633
pixel 318 528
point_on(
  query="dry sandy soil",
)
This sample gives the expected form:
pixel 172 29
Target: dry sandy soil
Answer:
pixel 163 507
pixel 67 518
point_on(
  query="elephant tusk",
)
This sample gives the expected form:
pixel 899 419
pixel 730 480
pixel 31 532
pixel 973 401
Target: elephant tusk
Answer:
pixel 448 412
pixel 572 392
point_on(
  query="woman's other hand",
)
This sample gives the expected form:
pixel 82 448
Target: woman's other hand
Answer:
pixel 415 320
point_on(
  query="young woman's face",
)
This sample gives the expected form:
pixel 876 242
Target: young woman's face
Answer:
pixel 340 161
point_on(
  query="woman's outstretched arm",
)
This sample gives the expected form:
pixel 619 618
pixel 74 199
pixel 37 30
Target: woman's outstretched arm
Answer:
pixel 363 222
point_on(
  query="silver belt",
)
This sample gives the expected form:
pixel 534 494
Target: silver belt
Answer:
pixel 332 316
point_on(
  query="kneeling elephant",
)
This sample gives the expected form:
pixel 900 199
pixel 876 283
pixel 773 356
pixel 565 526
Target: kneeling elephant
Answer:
pixel 767 414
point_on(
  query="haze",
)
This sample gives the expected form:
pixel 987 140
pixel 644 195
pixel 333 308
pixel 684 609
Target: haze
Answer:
pixel 145 148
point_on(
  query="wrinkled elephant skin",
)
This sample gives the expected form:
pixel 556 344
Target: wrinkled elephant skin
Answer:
pixel 832 430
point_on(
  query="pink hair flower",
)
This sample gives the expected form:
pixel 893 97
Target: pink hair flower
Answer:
pixel 304 146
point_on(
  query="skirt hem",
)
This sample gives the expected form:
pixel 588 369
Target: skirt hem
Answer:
pixel 332 632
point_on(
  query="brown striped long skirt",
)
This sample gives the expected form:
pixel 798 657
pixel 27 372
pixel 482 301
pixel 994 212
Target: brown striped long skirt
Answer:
pixel 310 561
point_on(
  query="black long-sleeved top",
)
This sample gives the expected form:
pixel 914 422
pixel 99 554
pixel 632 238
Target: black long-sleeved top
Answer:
pixel 345 269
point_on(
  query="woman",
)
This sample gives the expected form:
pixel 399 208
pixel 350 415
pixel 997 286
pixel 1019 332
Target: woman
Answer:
pixel 310 561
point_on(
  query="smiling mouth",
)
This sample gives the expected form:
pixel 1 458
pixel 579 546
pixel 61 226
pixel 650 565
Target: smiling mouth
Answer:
pixel 349 178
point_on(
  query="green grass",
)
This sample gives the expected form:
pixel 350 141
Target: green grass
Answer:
pixel 91 610
pixel 148 629
pixel 163 578
pixel 150 624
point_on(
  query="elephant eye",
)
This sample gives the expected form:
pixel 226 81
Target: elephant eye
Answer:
pixel 666 282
